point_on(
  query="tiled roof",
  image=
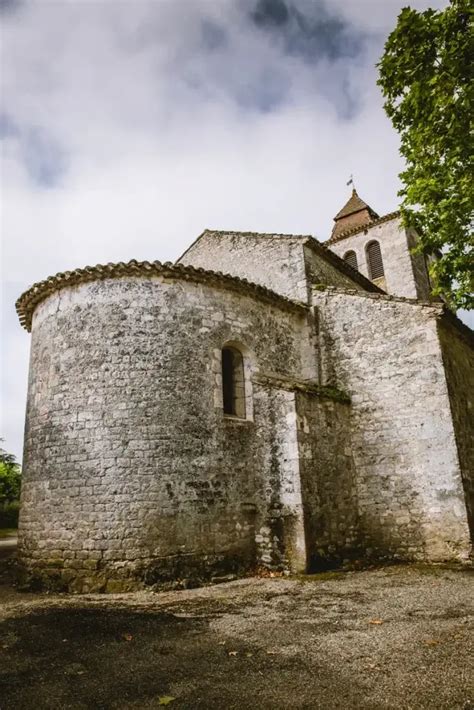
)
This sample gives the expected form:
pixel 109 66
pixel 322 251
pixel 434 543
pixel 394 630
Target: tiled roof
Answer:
pixel 355 204
pixel 28 301
pixel 361 228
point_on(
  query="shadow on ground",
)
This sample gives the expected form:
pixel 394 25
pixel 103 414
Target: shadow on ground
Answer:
pixel 393 638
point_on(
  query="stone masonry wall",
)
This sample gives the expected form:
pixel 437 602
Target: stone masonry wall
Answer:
pixel 328 483
pixel 132 475
pixel 274 261
pixel 404 275
pixel 420 269
pixel 285 264
pixel 458 356
pixel 318 271
pixel 280 531
pixel 386 354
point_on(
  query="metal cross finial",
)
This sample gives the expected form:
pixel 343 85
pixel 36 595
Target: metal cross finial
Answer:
pixel 351 182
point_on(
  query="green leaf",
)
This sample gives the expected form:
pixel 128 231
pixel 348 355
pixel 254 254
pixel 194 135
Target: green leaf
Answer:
pixel 426 77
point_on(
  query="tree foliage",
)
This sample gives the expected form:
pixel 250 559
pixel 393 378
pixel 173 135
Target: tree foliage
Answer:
pixel 10 478
pixel 426 80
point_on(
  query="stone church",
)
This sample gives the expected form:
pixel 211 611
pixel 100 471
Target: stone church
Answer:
pixel 266 401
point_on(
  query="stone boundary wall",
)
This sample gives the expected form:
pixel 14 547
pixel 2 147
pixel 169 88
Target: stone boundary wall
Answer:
pixel 385 353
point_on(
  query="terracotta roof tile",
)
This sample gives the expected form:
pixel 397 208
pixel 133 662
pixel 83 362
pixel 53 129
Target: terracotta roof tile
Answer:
pixel 360 228
pixel 355 204
pixel 28 301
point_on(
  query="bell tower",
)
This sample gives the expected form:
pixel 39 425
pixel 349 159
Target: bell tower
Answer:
pixel 380 248
pixel 355 213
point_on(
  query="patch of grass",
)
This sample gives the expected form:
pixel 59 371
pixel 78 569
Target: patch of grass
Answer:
pixel 8 532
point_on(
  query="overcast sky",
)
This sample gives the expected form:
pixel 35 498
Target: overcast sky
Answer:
pixel 129 127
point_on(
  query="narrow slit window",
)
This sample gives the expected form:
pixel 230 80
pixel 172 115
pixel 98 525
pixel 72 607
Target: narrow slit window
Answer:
pixel 374 258
pixel 350 258
pixel 233 382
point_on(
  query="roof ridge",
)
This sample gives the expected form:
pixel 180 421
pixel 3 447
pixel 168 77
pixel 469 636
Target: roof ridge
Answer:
pixel 257 234
pixel 29 299
pixel 234 232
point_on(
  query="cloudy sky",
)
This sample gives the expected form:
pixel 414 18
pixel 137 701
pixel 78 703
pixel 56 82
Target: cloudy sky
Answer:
pixel 128 127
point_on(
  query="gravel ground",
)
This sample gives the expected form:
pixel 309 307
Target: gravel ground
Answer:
pixel 7 546
pixel 397 637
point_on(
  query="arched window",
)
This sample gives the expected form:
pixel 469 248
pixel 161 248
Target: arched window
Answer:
pixel 374 260
pixel 350 257
pixel 233 382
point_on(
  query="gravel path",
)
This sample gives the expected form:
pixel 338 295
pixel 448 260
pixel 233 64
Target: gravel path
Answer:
pixel 398 637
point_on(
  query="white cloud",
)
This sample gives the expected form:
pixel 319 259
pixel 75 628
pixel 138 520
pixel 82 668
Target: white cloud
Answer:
pixel 160 131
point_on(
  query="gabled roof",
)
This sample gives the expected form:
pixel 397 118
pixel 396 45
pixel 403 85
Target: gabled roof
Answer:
pixel 307 240
pixel 355 204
